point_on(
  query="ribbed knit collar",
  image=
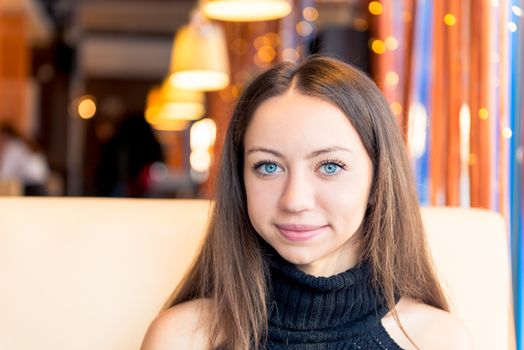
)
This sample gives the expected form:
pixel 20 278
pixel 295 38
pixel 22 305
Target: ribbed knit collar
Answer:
pixel 299 301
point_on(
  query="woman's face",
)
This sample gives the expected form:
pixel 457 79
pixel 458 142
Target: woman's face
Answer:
pixel 307 178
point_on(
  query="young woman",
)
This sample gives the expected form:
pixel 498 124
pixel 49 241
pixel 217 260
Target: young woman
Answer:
pixel 316 240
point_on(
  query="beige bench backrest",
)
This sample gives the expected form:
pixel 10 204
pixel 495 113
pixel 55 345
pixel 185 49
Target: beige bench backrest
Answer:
pixel 90 274
pixel 471 253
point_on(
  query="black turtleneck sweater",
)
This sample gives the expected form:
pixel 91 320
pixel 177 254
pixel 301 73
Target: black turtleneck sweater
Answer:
pixel 329 313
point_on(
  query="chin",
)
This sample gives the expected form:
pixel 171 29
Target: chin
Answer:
pixel 296 258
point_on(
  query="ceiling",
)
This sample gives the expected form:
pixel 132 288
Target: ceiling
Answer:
pixel 134 16
pixel 120 38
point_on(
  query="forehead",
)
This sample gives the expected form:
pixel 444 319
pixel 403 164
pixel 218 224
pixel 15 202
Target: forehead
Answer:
pixel 293 121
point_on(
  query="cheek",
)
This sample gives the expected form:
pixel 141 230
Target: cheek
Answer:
pixel 262 197
pixel 345 202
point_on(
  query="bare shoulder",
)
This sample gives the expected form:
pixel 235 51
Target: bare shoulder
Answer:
pixel 430 328
pixel 180 327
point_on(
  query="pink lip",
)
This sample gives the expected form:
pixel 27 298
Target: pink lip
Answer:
pixel 294 232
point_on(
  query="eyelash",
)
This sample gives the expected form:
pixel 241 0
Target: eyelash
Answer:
pixel 341 164
pixel 258 164
pixel 337 162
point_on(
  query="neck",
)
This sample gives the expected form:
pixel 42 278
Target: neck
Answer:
pixel 346 257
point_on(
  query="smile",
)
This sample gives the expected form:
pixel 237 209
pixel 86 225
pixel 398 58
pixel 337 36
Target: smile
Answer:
pixel 300 232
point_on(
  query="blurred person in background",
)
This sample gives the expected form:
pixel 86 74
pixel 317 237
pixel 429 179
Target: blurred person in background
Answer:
pixel 21 160
pixel 126 159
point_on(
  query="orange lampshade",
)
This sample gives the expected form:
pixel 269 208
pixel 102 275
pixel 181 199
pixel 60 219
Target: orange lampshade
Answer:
pixel 169 108
pixel 199 58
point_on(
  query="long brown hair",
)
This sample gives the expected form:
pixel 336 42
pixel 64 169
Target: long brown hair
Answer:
pixel 229 270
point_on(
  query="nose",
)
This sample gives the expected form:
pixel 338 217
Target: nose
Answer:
pixel 298 194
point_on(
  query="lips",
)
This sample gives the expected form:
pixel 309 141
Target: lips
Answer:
pixel 297 232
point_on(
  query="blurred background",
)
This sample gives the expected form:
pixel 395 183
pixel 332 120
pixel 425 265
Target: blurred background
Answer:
pixel 131 98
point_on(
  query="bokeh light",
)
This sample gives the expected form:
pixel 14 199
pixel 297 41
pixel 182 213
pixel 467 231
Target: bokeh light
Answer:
pixel 450 20
pixel 87 107
pixel 507 133
pixel 375 8
pixel 304 28
pixel 310 14
pixel 378 46
pixel 483 113
pixel 396 108
pixel 392 78
pixel 391 43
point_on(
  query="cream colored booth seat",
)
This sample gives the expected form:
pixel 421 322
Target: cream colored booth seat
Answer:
pixel 471 254
pixel 92 273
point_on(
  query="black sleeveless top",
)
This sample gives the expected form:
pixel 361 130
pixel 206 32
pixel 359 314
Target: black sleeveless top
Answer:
pixel 312 313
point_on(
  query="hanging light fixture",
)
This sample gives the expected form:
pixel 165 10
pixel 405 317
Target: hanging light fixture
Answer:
pixel 169 108
pixel 182 104
pixel 203 134
pixel 199 58
pixel 245 10
pixel 202 138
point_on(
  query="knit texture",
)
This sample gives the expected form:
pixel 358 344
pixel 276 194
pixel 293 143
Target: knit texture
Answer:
pixel 312 313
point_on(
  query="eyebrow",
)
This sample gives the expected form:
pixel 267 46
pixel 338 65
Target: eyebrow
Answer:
pixel 311 155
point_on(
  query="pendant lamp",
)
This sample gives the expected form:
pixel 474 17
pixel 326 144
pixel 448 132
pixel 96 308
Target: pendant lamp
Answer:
pixel 202 138
pixel 169 108
pixel 245 10
pixel 199 58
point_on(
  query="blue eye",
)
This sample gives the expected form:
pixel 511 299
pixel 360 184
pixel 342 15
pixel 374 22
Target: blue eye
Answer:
pixel 331 167
pixel 269 168
pixel 266 168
